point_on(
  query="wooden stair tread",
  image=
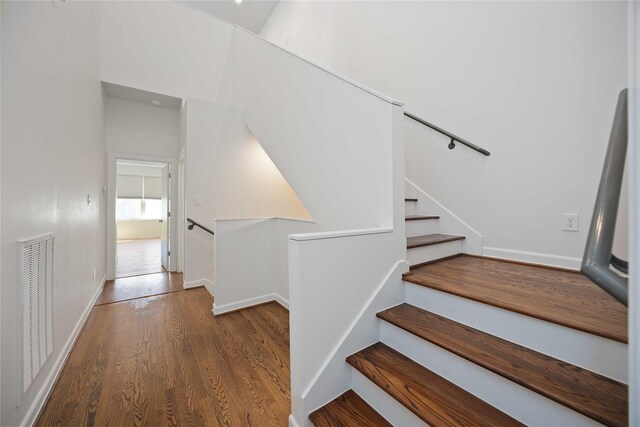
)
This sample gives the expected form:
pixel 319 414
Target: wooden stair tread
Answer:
pixel 433 399
pixel 348 409
pixel 591 394
pixel 562 297
pixel 431 239
pixel 410 200
pixel 420 217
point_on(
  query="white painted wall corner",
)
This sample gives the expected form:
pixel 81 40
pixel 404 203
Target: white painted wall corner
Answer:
pixel 249 302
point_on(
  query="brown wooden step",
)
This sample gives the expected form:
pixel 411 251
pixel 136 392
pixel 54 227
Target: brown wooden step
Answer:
pixel 348 409
pixel 431 239
pixel 559 296
pixel 591 394
pixel 433 399
pixel 410 200
pixel 420 217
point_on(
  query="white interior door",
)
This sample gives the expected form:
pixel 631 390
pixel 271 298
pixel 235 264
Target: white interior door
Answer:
pixel 165 216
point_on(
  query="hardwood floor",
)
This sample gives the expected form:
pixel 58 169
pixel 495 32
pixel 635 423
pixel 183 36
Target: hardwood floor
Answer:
pixel 165 360
pixel 557 296
pixel 136 257
pixel 348 409
pixel 140 286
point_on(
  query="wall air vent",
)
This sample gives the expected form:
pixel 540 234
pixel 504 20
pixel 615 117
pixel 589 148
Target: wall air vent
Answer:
pixel 36 279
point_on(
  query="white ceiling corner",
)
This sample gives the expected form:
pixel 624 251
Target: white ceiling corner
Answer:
pixel 250 14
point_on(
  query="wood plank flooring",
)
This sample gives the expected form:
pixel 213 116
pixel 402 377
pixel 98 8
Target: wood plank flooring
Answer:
pixel 165 360
pixel 136 257
pixel 140 286
pixel 557 296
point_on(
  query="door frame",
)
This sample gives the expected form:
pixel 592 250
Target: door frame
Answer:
pixel 112 162
pixel 180 231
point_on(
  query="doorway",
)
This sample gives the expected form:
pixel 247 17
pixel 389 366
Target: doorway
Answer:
pixel 142 217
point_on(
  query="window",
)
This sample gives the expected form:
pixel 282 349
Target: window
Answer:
pixel 151 209
pixel 127 209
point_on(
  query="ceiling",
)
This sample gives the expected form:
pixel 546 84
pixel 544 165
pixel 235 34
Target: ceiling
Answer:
pixel 250 14
pixel 138 95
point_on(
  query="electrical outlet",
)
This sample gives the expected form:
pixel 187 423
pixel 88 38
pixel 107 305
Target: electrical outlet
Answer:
pixel 94 274
pixel 570 222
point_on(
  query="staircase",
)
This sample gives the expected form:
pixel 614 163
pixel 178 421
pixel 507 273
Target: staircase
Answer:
pixel 486 342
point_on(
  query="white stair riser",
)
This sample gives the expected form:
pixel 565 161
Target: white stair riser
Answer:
pixel 410 208
pixel 517 401
pixel 429 253
pixel 383 403
pixel 604 356
pixel 421 227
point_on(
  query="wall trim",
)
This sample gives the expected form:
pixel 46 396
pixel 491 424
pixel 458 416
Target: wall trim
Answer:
pixel 548 260
pixel 42 396
pixel 292 421
pixel 262 218
pixel 197 283
pixel 249 302
pixel 283 302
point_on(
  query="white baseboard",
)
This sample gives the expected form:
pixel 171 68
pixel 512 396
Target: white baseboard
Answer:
pixel 45 390
pixel 249 302
pixel 548 260
pixel 292 422
pixel 283 302
pixel 197 283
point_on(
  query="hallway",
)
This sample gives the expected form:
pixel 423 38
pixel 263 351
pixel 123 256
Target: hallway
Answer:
pixel 165 360
pixel 147 285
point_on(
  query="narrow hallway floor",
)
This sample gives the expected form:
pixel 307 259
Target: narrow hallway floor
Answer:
pixel 139 286
pixel 165 360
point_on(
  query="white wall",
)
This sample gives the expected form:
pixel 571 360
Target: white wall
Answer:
pixel 535 83
pixel 329 137
pixel 163 47
pixel 53 156
pixel 227 169
pixel 141 129
pixel 138 229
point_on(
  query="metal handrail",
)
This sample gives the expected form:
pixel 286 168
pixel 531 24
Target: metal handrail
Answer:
pixel 190 227
pixel 620 264
pixel 451 136
pixel 598 251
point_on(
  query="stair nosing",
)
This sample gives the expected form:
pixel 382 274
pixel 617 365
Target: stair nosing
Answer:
pixel 395 394
pixel 420 217
pixel 446 239
pixel 415 279
pixel 532 384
